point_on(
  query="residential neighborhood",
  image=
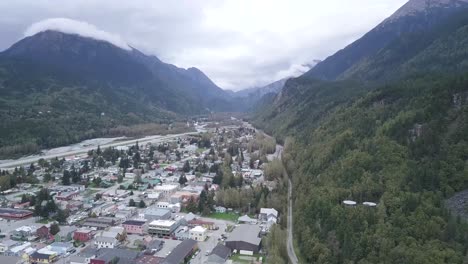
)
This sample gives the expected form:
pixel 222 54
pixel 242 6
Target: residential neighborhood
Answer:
pixel 199 198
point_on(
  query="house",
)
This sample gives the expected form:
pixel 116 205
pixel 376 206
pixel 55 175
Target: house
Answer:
pixel 134 226
pixel 43 232
pixel 105 242
pixel 65 234
pixel 60 247
pixel 5 246
pixel 124 214
pixel 266 213
pixel 245 238
pixel 219 255
pixel 45 258
pixel 182 252
pixel 108 255
pixel 155 245
pixel 245 219
pixel 220 209
pixel 198 233
pixel 153 213
pixel 83 235
pixel 22 233
pixel 166 189
pixel 84 257
pixel 182 233
pixel 162 227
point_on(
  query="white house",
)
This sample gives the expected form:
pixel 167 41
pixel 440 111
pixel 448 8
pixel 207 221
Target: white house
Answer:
pixel 198 233
pixel 105 242
pixel 266 214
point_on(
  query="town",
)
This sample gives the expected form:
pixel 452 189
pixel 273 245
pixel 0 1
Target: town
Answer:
pixel 207 197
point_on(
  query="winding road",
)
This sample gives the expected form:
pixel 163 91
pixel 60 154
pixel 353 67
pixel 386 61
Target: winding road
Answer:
pixel 290 245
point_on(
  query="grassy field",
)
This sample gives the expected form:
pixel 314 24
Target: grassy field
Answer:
pixel 225 216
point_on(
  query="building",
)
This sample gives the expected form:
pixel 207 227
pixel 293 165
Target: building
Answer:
pixel 60 247
pixel 219 255
pixel 124 214
pixel 182 233
pixel 83 235
pixel 198 222
pixel 266 213
pixel 167 189
pixel 65 234
pixel 162 227
pixel 245 238
pixel 107 256
pixel 43 232
pixel 181 253
pixel 198 233
pixel 245 219
pixel 220 209
pixel 153 213
pixel 15 214
pixel 134 226
pixel 184 197
pixel 45 258
pixel 105 242
pixel 99 223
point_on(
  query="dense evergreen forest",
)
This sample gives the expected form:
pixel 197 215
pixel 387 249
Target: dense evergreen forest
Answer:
pixel 400 141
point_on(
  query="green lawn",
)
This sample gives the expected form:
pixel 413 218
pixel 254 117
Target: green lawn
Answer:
pixel 237 258
pixel 225 216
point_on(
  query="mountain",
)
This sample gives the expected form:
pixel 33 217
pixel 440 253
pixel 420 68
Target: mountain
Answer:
pixel 258 92
pixel 89 86
pixel 417 16
pixel 384 120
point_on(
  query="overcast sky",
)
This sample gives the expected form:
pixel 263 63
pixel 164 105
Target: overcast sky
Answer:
pixel 237 43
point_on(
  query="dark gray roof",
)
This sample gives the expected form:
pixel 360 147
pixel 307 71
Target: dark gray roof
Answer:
pixel 246 233
pixel 155 244
pixel 180 252
pixel 221 251
pixel 125 256
pixel 134 222
pixel 88 252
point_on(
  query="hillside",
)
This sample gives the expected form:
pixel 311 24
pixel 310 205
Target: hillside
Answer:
pixel 58 88
pixel 388 127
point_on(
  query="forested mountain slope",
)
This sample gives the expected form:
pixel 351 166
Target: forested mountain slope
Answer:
pixel 399 140
pixel 58 88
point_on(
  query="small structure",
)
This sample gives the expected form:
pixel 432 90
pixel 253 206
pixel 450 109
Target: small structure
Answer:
pixel 349 203
pixel 266 213
pixel 198 233
pixel 45 258
pixel 369 204
pixel 220 209
pixel 245 219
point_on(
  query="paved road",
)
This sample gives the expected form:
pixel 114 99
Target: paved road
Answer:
pixel 290 246
pixel 29 160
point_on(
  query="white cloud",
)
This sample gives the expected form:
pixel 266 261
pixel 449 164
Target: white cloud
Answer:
pixel 81 28
pixel 237 43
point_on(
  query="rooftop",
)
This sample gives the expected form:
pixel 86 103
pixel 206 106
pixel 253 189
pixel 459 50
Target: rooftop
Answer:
pixel 166 223
pixel 198 229
pixel 180 252
pixel 134 222
pixel 246 233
